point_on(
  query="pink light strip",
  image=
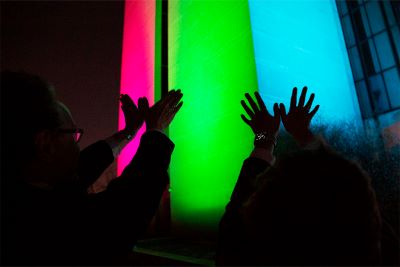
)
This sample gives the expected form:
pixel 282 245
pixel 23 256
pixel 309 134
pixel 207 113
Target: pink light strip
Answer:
pixel 137 70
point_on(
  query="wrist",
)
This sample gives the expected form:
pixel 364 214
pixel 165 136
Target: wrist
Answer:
pixel 265 140
pixel 128 134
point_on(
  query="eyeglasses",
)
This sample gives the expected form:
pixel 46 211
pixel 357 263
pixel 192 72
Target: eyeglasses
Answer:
pixel 76 133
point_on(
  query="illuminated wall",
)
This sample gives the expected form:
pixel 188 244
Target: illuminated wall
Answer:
pixel 300 43
pixel 138 59
pixel 211 59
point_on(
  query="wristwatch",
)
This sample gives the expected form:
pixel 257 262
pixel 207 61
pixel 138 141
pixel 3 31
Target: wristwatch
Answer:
pixel 263 139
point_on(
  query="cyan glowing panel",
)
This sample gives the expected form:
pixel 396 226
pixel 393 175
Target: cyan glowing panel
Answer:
pixel 137 70
pixel 211 59
pixel 300 43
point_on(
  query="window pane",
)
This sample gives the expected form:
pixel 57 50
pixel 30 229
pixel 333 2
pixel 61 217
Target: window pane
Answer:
pixel 384 50
pixel 363 99
pixel 368 53
pixel 355 64
pixel 342 7
pixel 396 37
pixel 378 93
pixel 389 12
pixel 393 86
pixel 360 25
pixel 365 22
pixel 375 16
pixel 348 31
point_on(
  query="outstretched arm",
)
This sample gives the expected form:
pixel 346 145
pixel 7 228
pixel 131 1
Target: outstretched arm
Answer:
pixel 96 158
pixel 123 212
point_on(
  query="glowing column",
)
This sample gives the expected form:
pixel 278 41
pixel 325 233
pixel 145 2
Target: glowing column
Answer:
pixel 138 57
pixel 300 43
pixel 211 59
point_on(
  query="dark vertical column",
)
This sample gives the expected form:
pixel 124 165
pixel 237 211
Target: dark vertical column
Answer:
pixel 164 47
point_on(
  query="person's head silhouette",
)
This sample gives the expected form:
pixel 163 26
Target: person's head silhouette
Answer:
pixel 39 136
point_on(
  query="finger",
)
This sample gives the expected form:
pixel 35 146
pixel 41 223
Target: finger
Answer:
pixel 312 113
pixel 309 102
pixel 282 112
pixel 276 112
pixel 174 101
pixel 293 99
pixel 246 120
pixel 252 103
pixel 302 97
pixel 125 99
pixel 143 104
pixel 176 109
pixel 247 109
pixel 171 115
pixel 260 102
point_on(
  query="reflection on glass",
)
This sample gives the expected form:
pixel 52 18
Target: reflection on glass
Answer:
pixel 392 81
pixel 363 99
pixel 384 50
pixel 342 7
pixel 365 22
pixel 396 37
pixel 378 93
pixel 375 16
pixel 356 63
pixel 389 12
pixel 348 31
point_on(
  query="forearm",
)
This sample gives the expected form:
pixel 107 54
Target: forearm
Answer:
pixel 119 141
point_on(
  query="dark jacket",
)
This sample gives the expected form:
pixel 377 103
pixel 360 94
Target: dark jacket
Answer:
pixel 70 227
pixel 311 208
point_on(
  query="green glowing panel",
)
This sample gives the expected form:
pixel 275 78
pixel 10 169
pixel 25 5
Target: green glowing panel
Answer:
pixel 211 59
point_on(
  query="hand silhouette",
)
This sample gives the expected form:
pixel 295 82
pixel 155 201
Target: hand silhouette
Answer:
pixel 260 119
pixel 297 120
pixel 133 117
pixel 161 114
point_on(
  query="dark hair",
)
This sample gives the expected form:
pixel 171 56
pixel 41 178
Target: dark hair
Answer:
pixel 28 105
pixel 316 208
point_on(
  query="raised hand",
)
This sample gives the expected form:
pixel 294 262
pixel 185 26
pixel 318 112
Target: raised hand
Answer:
pixel 133 118
pixel 297 120
pixel 261 121
pixel 161 114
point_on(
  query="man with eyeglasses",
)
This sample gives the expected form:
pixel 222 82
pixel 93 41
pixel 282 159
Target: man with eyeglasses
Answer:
pixel 48 218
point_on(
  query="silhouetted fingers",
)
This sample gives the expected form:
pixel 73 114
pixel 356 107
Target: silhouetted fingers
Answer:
pixel 175 110
pixel 276 112
pixel 282 112
pixel 246 120
pixel 302 97
pixel 293 99
pixel 175 99
pixel 247 109
pixel 127 103
pixel 252 103
pixel 260 102
pixel 312 113
pixel 309 102
pixel 143 105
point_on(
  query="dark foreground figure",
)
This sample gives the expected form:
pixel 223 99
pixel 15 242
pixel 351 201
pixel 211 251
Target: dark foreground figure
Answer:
pixel 47 216
pixel 311 207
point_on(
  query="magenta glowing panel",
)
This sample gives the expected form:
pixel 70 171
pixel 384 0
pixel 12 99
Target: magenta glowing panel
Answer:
pixel 137 70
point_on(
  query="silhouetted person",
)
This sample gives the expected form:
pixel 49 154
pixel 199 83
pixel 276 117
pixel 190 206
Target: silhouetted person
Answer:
pixel 47 216
pixel 312 207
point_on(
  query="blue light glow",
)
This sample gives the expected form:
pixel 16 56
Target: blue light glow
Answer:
pixel 299 43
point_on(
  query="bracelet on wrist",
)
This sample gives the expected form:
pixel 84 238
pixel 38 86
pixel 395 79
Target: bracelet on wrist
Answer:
pixel 263 139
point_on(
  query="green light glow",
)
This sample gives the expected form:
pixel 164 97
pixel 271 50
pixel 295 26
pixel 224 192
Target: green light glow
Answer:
pixel 211 59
